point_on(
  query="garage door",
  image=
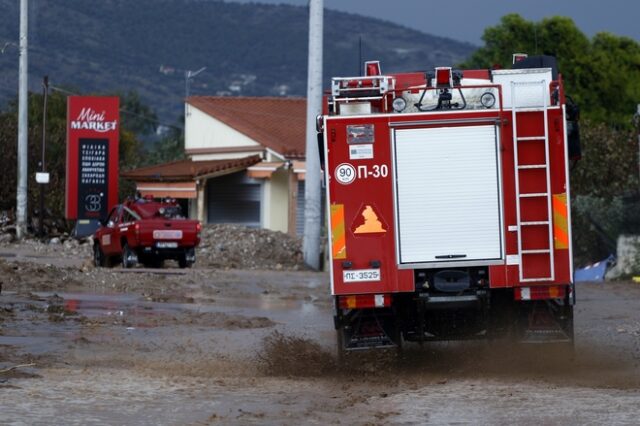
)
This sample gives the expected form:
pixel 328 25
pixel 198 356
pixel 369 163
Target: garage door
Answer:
pixel 448 196
pixel 234 198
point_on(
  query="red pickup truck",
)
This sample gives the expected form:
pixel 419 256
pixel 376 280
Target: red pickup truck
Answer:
pixel 148 232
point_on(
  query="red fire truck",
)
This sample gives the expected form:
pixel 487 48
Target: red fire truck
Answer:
pixel 448 201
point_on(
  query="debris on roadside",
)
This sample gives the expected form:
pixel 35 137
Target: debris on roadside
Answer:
pixel 222 246
pixel 239 247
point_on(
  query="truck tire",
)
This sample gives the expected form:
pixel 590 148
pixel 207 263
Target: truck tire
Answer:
pixel 341 352
pixel 99 259
pixel 183 262
pixel 128 257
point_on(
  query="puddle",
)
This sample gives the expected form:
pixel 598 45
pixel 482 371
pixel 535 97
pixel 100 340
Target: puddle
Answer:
pixel 228 325
pixel 129 305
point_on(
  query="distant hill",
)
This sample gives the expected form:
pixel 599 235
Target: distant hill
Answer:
pixel 249 49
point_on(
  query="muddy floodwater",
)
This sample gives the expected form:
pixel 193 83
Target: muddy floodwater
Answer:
pixel 86 346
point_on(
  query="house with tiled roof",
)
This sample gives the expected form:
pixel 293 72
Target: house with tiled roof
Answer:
pixel 245 163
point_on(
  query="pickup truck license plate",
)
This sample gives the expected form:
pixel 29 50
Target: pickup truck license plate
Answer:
pixel 360 275
pixel 167 234
pixel 167 244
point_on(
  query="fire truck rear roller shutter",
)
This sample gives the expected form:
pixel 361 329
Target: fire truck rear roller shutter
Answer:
pixel 448 195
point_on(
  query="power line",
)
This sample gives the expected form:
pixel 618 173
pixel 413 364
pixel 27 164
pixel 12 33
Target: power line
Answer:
pixel 122 110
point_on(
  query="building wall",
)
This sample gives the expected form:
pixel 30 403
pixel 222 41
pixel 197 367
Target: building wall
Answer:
pixel 276 205
pixel 203 131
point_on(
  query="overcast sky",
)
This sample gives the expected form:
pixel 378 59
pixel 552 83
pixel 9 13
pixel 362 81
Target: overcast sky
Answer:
pixel 465 20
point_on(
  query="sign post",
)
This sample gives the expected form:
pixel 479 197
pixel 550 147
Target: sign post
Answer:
pixel 92 160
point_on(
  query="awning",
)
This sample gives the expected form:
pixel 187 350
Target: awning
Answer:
pixel 263 170
pixel 168 189
pixel 188 170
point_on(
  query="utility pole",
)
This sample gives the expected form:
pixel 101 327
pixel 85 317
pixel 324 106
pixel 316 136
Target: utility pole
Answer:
pixel 312 190
pixel 637 123
pixel 21 197
pixel 43 168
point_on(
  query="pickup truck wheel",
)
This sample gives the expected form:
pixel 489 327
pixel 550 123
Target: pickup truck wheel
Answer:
pixel 98 256
pixel 183 262
pixel 129 258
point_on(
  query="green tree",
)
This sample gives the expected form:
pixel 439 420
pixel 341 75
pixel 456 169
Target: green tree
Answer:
pixel 136 116
pixel 169 148
pixel 602 74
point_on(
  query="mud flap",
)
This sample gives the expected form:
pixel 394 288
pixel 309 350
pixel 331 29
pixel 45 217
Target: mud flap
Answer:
pixel 546 322
pixel 368 329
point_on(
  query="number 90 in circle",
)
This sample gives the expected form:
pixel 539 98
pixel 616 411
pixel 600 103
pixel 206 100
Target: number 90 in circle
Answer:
pixel 345 173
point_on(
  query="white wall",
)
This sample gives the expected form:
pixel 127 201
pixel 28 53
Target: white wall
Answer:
pixel 203 131
pixel 276 201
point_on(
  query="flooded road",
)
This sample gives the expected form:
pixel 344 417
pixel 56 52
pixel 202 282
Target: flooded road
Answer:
pixel 257 347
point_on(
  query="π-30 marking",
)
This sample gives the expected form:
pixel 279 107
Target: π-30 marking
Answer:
pixel 346 174
pixel 376 171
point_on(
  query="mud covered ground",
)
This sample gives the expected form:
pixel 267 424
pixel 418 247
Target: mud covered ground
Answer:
pixel 80 345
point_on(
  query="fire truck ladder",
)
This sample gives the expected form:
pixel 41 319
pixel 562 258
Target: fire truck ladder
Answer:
pixel 524 171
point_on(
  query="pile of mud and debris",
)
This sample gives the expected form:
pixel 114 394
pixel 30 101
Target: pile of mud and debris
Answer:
pixel 221 246
pixel 239 247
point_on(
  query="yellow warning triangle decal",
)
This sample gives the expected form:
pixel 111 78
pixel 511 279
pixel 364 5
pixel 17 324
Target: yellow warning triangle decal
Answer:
pixel 371 223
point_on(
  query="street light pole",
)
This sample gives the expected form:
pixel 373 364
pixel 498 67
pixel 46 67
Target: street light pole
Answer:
pixel 188 75
pixel 21 194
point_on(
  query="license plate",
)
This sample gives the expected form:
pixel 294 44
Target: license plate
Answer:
pixel 360 275
pixel 167 244
pixel 167 234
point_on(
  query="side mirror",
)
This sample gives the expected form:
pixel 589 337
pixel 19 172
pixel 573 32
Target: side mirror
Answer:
pixel 573 129
pixel 111 224
pixel 320 137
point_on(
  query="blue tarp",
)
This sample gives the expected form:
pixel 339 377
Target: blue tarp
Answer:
pixel 594 272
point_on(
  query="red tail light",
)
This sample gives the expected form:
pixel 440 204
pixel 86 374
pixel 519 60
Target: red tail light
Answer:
pixel 361 301
pixel 136 228
pixel 541 292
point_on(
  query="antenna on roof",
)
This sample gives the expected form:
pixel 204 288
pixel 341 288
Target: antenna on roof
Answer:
pixel 360 71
